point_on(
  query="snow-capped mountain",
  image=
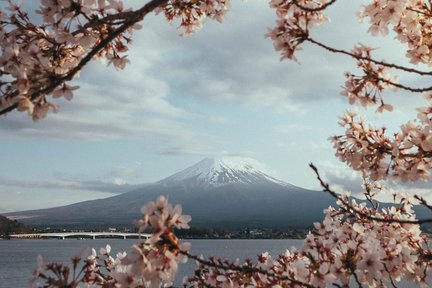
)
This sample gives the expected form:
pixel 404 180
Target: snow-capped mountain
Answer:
pixel 224 170
pixel 227 192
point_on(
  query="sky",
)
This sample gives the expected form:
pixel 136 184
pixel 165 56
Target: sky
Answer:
pixel 221 91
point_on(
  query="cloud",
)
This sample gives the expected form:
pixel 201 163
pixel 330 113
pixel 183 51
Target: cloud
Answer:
pixel 233 62
pixel 116 106
pixel 230 62
pixel 222 120
pixel 121 171
pixel 166 97
pixel 197 147
pixel 342 180
pixel 70 185
pixel 292 128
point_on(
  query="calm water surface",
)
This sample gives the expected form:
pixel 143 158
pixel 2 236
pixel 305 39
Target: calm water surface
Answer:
pixel 18 257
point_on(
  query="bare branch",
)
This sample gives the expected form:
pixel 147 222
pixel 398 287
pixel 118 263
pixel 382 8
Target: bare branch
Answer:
pixel 245 270
pixel 308 9
pixel 423 202
pixel 131 18
pixel 383 63
pixel 390 277
pixel 350 209
pixel 357 280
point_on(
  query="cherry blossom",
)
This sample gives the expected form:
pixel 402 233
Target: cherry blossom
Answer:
pixel 38 59
pixel 355 243
pixel 150 263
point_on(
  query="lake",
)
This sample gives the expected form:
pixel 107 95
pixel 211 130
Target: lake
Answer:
pixel 18 257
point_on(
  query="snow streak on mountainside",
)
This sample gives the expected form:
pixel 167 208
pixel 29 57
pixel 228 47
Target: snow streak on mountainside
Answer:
pixel 222 171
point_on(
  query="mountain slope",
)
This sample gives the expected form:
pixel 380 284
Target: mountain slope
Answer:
pixel 222 171
pixel 226 193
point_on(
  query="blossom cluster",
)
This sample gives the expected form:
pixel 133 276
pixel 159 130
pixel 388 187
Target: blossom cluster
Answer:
pixel 293 24
pixel 193 13
pixel 366 89
pixel 150 263
pixel 406 156
pixel 411 21
pixel 344 247
pixel 37 60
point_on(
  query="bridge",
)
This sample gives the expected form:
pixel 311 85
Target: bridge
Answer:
pixel 91 235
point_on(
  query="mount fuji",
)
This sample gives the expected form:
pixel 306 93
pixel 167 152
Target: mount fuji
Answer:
pixel 227 192
pixel 215 172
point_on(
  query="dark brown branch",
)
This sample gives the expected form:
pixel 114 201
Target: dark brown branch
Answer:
pixel 419 12
pixel 245 270
pixel 390 277
pixel 423 202
pixel 405 87
pixel 133 18
pixel 357 280
pixel 317 9
pixel 389 65
pixel 105 20
pixel 350 209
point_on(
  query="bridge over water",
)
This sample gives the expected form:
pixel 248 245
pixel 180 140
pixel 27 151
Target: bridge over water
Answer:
pixel 91 235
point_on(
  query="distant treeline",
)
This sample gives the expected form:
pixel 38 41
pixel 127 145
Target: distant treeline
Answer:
pixel 8 226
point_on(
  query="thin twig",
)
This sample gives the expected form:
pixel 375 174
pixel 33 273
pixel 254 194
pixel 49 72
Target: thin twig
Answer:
pixel 317 9
pixel 404 87
pixel 134 18
pixel 246 270
pixel 419 12
pixel 423 202
pixel 349 208
pixel 357 280
pixel 390 277
pixel 389 65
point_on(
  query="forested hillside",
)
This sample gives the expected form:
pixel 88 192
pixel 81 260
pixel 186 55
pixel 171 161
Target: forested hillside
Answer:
pixel 8 226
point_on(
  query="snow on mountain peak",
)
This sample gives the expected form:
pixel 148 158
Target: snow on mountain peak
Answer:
pixel 224 170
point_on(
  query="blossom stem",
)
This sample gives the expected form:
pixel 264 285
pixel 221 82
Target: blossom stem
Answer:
pixel 308 9
pixel 389 65
pixel 246 270
pixel 350 209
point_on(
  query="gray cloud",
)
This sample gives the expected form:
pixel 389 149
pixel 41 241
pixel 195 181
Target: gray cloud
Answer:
pixel 342 179
pixel 230 62
pixel 70 185
pixel 110 111
pixel 233 62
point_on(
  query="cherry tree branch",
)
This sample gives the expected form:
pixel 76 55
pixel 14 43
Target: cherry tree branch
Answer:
pixel 357 280
pixel 130 18
pixel 405 87
pixel 245 270
pixel 106 20
pixel 423 202
pixel 350 209
pixel 308 9
pixel 419 12
pixel 383 63
pixel 390 277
